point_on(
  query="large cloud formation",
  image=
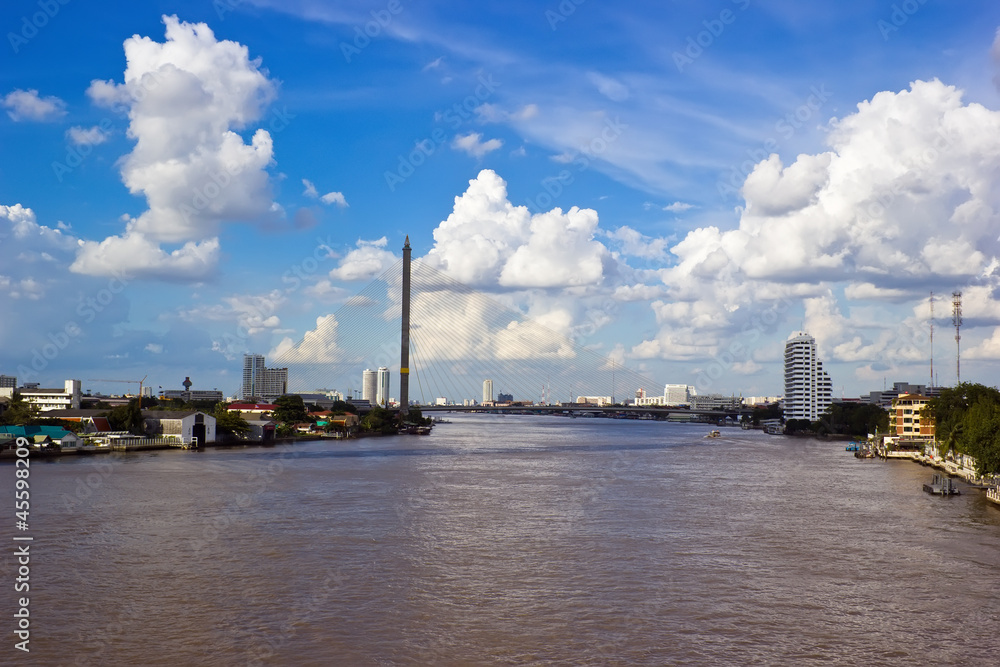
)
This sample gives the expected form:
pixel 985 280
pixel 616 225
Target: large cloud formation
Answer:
pixel 184 99
pixel 487 241
pixel 904 201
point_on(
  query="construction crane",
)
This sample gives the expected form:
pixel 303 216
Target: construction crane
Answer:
pixel 139 382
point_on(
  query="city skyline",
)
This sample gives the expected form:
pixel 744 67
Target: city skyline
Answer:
pixel 219 178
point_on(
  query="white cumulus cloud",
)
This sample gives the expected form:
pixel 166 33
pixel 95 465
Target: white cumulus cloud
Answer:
pixel 334 198
pixel 366 261
pixel 24 105
pixel 185 97
pixel 487 241
pixel 473 145
pixel 905 200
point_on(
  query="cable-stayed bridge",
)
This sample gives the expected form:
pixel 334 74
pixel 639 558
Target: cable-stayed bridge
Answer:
pixel 458 338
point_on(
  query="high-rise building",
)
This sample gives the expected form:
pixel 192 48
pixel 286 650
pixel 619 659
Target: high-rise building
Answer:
pixel 382 391
pixel 678 394
pixel 808 390
pixel 487 391
pixel 369 386
pixel 262 382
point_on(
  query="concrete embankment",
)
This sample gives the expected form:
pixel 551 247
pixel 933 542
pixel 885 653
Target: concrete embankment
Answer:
pixel 949 467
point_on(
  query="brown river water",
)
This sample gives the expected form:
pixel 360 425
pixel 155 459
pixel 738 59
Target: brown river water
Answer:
pixel 505 540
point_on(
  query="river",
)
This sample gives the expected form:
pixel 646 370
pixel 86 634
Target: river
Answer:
pixel 506 540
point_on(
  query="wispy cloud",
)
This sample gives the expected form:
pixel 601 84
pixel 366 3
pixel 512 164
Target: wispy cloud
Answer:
pixel 473 145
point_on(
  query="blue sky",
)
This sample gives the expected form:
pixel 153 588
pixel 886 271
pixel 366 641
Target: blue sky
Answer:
pixel 677 185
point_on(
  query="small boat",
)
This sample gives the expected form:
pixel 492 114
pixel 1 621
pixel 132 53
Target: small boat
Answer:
pixel 714 434
pixel 942 485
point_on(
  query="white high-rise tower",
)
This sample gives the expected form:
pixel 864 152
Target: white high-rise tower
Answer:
pixel 369 386
pixel 808 389
pixel 487 391
pixel 382 391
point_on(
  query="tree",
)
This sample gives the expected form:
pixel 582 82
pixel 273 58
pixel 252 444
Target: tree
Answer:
pixel 19 411
pixel 951 443
pixel 379 420
pixel 769 411
pixel 981 436
pixel 230 422
pixel 855 419
pixel 290 410
pixel 341 407
pixel 797 425
pixel 951 406
pixel 128 418
pixel 970 415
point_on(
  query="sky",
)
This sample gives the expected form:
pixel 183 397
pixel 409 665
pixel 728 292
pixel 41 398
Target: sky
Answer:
pixel 677 186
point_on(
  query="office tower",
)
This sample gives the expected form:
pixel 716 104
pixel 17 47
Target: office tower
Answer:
pixel 487 391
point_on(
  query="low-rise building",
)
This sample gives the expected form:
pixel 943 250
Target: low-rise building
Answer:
pixel 716 402
pixel 255 410
pixel 885 397
pixel 43 434
pixel 599 401
pixel 189 425
pixel 67 398
pixel 905 421
pixel 188 396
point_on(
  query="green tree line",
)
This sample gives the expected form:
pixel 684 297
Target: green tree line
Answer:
pixel 967 421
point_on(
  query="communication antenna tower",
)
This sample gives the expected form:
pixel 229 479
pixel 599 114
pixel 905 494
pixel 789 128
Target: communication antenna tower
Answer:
pixel 932 338
pixel 956 318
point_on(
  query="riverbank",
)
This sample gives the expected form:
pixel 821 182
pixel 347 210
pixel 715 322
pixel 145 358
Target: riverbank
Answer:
pixel 951 468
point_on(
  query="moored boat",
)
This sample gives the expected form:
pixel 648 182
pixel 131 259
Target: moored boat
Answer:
pixel 942 485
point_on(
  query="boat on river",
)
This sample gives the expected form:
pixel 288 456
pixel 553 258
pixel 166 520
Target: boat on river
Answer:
pixel 714 434
pixel 942 485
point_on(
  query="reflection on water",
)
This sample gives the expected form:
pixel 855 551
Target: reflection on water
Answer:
pixel 510 540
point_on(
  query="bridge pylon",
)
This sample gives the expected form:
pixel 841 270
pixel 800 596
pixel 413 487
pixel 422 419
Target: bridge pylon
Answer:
pixel 404 343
